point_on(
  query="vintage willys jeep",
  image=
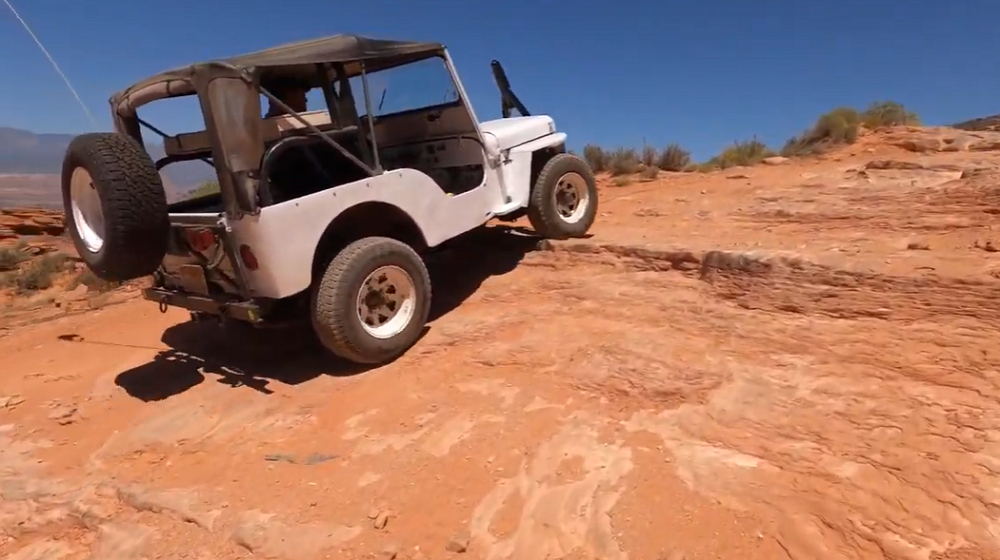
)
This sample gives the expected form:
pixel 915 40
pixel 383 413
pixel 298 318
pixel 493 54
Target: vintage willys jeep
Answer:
pixel 324 212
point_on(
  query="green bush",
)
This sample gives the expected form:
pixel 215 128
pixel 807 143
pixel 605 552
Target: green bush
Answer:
pixel 674 158
pixel 839 126
pixel 746 152
pixel 888 113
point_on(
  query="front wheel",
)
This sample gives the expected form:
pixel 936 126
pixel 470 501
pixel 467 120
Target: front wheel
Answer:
pixel 563 201
pixel 373 301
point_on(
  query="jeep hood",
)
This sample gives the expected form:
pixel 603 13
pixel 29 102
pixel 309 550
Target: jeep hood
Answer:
pixel 501 134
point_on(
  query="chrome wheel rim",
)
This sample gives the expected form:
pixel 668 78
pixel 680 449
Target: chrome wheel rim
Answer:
pixel 387 302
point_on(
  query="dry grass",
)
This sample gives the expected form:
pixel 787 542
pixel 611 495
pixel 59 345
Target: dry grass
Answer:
pixel 623 161
pixel 842 125
pixel 595 157
pixel 207 188
pixel 92 282
pixel 38 275
pixel 888 113
pixel 12 257
pixel 649 174
pixel 674 158
pixel 839 126
pixel 626 161
pixel 741 153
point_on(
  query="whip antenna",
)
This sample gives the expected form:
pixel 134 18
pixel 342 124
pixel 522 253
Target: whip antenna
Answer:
pixel 45 51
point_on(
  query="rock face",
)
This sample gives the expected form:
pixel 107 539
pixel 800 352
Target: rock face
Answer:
pixel 942 139
pixel 983 123
pixel 18 222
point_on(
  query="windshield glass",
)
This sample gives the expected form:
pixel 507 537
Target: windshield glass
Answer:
pixel 419 85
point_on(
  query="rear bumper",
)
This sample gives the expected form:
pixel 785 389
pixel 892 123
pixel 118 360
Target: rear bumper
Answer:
pixel 241 310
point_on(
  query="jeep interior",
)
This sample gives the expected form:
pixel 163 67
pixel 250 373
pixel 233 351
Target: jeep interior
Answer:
pixel 439 140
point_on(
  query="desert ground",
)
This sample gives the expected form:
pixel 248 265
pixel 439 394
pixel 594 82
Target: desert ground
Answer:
pixel 780 361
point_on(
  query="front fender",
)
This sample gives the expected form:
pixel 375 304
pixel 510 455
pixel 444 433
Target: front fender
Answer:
pixel 517 167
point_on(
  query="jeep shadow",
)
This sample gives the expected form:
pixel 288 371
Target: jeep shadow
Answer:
pixel 240 355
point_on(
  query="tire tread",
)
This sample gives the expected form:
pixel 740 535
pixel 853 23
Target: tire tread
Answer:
pixel 133 200
pixel 333 304
pixel 543 216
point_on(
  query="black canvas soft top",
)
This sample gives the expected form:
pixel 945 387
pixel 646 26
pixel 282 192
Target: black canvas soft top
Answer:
pixel 349 50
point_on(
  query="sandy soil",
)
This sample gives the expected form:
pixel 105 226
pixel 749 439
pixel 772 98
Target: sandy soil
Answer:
pixel 788 361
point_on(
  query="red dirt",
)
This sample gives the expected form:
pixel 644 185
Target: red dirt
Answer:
pixel 786 361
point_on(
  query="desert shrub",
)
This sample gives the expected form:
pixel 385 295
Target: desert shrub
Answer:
pixel 623 161
pixel 595 157
pixel 623 180
pixel 888 113
pixel 38 274
pixel 649 173
pixel 10 257
pixel 649 156
pixel 746 152
pixel 92 282
pixel 674 158
pixel 839 126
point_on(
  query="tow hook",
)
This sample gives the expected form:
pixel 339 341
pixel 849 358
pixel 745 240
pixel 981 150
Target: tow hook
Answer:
pixel 163 305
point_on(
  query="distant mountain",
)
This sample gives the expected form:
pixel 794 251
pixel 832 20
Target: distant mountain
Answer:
pixel 24 152
pixel 30 165
pixel 983 123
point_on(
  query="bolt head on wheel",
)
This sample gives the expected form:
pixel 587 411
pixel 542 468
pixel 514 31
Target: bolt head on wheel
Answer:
pixel 571 197
pixel 386 302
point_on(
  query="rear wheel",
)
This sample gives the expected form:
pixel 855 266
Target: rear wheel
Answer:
pixel 372 301
pixel 115 206
pixel 563 200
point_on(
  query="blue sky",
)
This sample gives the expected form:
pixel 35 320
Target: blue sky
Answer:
pixel 700 73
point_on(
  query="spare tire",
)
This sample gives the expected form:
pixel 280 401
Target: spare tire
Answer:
pixel 115 206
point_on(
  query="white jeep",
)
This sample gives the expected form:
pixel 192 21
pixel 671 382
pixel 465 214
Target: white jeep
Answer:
pixel 324 212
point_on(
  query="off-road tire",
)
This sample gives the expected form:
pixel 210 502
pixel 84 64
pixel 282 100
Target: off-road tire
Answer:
pixel 542 212
pixel 334 300
pixel 132 198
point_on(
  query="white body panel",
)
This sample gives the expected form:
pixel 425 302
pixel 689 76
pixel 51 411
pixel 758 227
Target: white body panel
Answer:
pixel 284 237
pixel 516 170
pixel 514 140
pixel 515 131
